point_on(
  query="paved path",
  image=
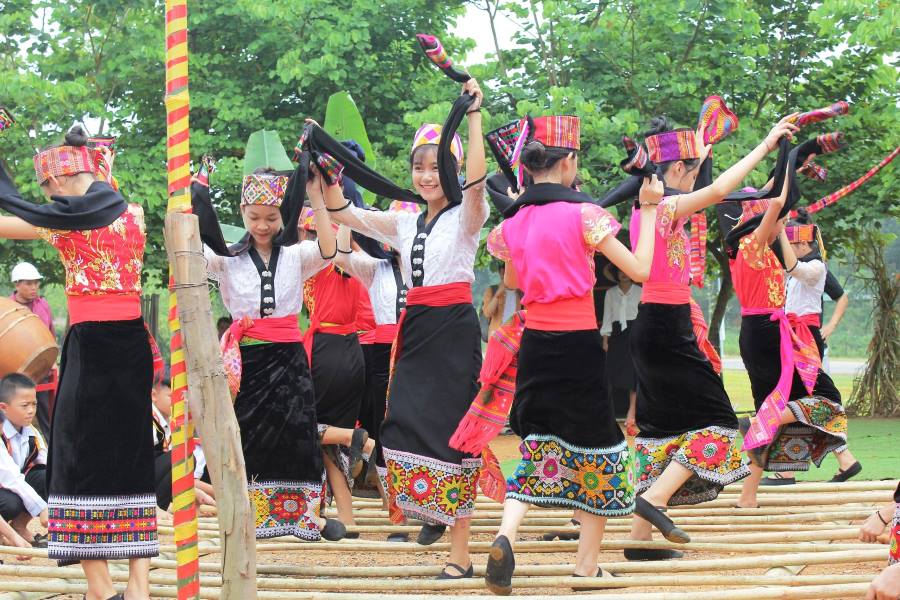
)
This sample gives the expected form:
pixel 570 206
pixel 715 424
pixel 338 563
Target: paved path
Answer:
pixel 843 366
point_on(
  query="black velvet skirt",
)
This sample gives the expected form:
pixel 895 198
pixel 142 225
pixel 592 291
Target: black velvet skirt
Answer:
pixel 619 365
pixel 276 412
pixel 102 501
pixel 374 405
pixel 678 390
pixel 339 378
pixel 435 380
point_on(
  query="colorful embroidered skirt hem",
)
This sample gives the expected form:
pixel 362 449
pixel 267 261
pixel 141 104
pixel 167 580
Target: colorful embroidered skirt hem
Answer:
pixel 821 428
pixel 432 490
pixel 553 472
pixel 286 508
pixel 102 528
pixel 711 454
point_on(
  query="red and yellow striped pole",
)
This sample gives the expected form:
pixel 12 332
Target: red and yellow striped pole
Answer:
pixel 178 156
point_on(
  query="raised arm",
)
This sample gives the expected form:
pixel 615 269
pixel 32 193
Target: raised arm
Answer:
pixel 637 265
pixel 474 205
pixel 378 225
pixel 728 181
pixel 359 264
pixel 763 233
pixel 14 228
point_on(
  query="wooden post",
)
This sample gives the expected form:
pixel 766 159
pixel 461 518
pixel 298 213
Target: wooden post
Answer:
pixel 210 405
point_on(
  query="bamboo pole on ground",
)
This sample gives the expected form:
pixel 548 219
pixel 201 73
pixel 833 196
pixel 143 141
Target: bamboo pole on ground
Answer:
pixel 813 592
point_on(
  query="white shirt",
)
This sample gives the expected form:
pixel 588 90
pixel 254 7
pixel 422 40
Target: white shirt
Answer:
pixel 510 304
pixel 199 457
pixel 620 306
pixel 377 275
pixel 239 281
pixel 450 247
pixel 805 286
pixel 11 477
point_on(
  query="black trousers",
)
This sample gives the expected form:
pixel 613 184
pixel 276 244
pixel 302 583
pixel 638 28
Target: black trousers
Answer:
pixel 11 505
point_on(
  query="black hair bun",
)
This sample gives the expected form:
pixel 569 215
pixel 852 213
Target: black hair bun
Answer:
pixel 76 136
pixel 659 124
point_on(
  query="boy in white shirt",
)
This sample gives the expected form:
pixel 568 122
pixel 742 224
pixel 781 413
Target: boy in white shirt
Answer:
pixel 23 459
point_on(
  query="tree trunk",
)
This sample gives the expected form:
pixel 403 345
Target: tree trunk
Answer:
pixel 876 393
pixel 211 408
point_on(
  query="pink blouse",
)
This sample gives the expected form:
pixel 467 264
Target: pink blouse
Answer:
pixel 671 259
pixel 552 248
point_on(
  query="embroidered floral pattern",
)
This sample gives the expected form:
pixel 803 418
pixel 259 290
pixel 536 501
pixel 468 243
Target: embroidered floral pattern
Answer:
pixel 286 508
pixel 711 453
pixel 597 223
pixel 432 490
pixel 496 245
pixel 894 556
pixel 761 258
pixel 821 428
pixel 554 473
pixel 105 260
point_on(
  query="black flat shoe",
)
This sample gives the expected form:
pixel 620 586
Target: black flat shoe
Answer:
pixel 600 573
pixel 357 442
pixel 351 535
pixel 40 541
pixel 756 454
pixel 463 573
pixel 652 554
pixel 563 536
pixel 334 530
pixel 843 475
pixel 429 534
pixel 658 519
pixel 398 537
pixel 778 479
pixel 500 566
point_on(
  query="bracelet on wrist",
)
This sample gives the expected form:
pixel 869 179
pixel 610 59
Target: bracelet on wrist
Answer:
pixel 317 208
pixel 649 203
pixel 341 208
pixel 345 251
pixel 476 110
pixel 880 518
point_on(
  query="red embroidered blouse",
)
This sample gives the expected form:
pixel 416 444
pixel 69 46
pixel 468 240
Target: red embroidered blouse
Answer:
pixel 757 275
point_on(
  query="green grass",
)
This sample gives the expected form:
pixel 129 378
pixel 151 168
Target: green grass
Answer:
pixel 874 442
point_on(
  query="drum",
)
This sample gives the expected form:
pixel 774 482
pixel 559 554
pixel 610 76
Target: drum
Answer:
pixel 26 345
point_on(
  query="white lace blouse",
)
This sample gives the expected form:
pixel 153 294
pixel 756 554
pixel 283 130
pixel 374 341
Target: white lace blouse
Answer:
pixel 449 249
pixel 240 282
pixel 377 275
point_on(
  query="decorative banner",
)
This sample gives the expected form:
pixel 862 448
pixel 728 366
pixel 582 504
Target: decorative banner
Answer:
pixel 850 187
pixel 178 156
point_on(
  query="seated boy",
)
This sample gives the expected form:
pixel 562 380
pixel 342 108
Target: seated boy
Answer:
pixel 23 459
pixel 162 437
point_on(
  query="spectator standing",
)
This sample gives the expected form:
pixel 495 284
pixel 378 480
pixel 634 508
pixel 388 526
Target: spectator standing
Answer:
pixel 499 303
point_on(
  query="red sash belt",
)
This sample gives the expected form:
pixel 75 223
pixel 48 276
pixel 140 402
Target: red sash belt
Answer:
pixel 569 314
pixel 665 292
pixel 385 334
pixel 107 307
pixel 798 351
pixel 271 329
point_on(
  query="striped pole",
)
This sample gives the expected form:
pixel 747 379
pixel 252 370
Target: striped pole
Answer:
pixel 178 156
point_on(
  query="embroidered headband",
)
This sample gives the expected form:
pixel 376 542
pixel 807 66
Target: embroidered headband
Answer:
pixel 637 161
pixel 430 133
pixel 678 144
pixel 6 118
pixel 751 208
pixel 563 131
pixel 800 233
pixel 265 189
pixel 63 161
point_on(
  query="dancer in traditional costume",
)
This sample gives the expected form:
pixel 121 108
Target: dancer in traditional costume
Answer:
pixel 438 348
pixel 686 451
pixel 573 453
pixel 780 354
pixel 102 504
pixel 332 298
pixel 261 281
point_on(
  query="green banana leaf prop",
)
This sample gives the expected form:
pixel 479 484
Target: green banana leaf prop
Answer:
pixel 344 122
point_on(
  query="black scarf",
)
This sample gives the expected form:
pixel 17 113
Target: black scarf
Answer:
pixel 497 185
pixel 546 193
pixel 97 208
pixel 318 141
pixel 291 207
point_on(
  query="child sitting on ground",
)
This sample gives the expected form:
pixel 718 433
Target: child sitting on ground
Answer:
pixel 162 438
pixel 23 459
